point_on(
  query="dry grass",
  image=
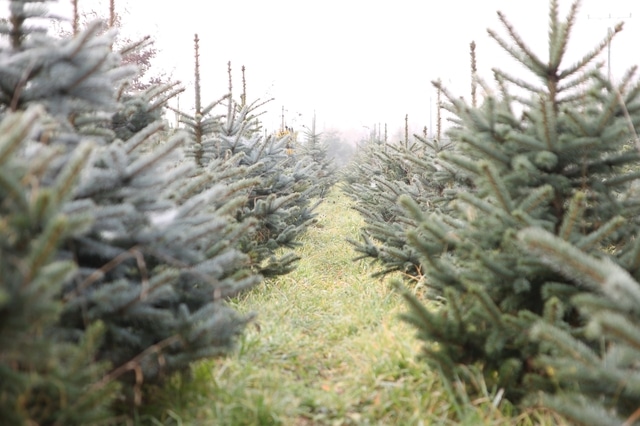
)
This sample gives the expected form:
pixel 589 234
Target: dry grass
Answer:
pixel 327 349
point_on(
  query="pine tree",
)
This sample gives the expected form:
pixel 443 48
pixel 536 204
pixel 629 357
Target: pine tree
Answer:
pixel 537 261
pixel 596 371
pixel 280 204
pixel 42 380
pixel 383 172
pixel 149 267
pixel 315 148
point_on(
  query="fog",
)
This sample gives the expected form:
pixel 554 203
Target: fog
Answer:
pixel 357 64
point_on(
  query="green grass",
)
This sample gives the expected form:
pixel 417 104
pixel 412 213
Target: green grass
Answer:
pixel 327 349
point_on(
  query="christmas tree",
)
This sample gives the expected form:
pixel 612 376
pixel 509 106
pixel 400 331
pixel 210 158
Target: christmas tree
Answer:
pixel 42 380
pixel 383 172
pixel 316 150
pixel 537 261
pixel 286 189
pixel 136 259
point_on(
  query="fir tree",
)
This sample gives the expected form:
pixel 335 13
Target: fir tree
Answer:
pixel 157 254
pixel 315 148
pixel 42 380
pixel 537 261
pixel 383 172
pixel 280 204
pixel 596 371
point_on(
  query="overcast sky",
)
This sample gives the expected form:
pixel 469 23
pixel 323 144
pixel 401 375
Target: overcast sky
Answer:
pixel 356 63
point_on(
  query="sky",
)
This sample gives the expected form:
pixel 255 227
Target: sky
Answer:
pixel 356 64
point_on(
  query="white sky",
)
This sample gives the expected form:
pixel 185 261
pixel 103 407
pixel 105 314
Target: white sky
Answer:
pixel 356 62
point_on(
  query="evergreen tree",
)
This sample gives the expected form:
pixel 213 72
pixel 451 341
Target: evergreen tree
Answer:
pixel 315 148
pixel 280 204
pixel 42 380
pixel 378 177
pixel 537 261
pixel 596 371
pixel 150 251
pixel 140 107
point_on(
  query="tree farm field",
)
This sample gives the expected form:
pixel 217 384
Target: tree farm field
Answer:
pixel 327 348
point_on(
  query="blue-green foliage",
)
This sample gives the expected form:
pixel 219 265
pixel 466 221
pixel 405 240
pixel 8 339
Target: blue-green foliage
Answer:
pixel 288 182
pixel 379 175
pixel 117 251
pixel 537 262
pixel 43 380
pixel 315 149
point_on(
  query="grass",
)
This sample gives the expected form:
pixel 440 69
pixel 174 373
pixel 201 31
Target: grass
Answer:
pixel 327 349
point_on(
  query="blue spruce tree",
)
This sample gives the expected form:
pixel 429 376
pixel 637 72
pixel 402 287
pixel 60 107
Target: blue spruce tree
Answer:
pixel 135 249
pixel 380 174
pixel 537 262
pixel 42 380
pixel 281 202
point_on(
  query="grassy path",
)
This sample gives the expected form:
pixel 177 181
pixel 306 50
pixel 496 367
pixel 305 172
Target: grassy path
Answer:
pixel 327 349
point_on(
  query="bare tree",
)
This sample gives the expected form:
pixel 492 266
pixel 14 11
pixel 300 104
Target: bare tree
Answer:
pixel 138 52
